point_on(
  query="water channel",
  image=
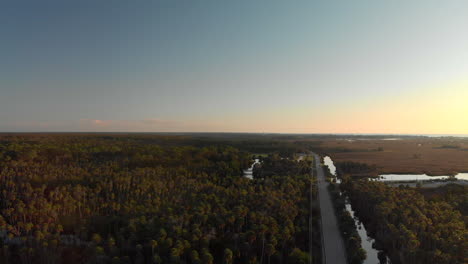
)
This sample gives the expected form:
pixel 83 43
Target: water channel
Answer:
pixel 248 173
pixel 366 241
pixel 420 177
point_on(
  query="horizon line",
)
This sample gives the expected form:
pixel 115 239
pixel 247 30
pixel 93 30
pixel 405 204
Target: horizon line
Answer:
pixel 228 132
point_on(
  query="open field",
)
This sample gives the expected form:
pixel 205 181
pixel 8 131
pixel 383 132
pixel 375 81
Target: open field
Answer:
pixel 433 156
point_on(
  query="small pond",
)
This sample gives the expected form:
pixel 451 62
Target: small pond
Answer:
pixel 248 173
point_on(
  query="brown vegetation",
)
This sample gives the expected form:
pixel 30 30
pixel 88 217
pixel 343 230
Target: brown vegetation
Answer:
pixel 434 156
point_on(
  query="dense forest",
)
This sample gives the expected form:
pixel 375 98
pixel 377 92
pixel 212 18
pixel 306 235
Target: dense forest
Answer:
pixel 454 194
pixel 151 199
pixel 410 227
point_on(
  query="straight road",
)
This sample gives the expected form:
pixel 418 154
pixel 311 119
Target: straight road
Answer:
pixel 332 241
pixel 310 216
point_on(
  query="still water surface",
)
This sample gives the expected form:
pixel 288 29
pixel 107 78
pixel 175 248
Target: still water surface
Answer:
pixel 248 173
pixel 366 241
pixel 419 177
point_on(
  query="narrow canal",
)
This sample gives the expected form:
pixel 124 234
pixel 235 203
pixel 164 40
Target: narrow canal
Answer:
pixel 367 241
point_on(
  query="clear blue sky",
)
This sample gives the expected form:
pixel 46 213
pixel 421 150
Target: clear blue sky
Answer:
pixel 276 66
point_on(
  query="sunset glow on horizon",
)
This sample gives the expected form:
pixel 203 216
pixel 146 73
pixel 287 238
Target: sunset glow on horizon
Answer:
pixel 168 66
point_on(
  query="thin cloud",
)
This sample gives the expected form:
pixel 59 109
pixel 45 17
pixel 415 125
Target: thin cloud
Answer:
pixel 157 121
pixel 143 125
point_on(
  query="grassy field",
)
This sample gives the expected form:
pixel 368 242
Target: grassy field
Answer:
pixel 434 156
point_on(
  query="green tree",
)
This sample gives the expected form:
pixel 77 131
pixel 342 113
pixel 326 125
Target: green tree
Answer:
pixel 297 256
pixel 228 256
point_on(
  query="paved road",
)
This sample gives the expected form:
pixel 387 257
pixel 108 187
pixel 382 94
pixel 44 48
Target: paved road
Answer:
pixel 333 242
pixel 310 219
